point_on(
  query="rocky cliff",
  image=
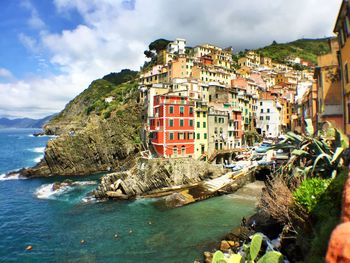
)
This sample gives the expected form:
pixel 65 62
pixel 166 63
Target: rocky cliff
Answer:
pixel 149 175
pixel 95 135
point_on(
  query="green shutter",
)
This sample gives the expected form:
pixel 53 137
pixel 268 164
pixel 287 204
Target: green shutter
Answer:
pixel 171 136
pixel 198 136
pixel 204 124
pixel 205 136
pixel 171 123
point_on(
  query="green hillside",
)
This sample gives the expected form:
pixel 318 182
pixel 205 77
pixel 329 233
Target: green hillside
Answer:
pixel 307 49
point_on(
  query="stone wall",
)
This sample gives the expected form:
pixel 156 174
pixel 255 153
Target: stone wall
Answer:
pixel 154 174
pixel 339 244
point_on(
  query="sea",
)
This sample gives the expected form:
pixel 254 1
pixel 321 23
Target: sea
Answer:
pixel 69 226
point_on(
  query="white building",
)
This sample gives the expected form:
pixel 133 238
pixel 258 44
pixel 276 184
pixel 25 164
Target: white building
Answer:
pixel 178 46
pixel 269 119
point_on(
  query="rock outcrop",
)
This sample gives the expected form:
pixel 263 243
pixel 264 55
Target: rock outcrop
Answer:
pixel 101 146
pixel 150 175
pixel 94 136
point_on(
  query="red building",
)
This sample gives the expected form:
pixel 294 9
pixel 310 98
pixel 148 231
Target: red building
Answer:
pixel 172 126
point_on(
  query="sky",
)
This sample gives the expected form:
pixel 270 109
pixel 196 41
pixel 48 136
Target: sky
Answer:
pixel 51 50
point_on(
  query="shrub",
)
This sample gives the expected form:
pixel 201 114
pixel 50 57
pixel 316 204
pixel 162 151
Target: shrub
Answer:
pixel 309 192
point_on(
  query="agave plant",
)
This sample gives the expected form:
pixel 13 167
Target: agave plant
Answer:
pixel 251 254
pixel 313 155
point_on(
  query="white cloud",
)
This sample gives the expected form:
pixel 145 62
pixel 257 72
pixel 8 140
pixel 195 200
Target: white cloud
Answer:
pixel 114 36
pixel 34 21
pixel 5 74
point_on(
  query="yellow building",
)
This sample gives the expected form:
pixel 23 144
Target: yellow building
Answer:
pixel 208 74
pixel 181 67
pixel 164 57
pixel 157 74
pixel 221 57
pixel 201 131
pixel 342 28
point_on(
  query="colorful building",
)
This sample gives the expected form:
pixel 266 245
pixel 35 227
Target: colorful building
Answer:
pixel 329 92
pixel 342 28
pixel 172 126
pixel 201 131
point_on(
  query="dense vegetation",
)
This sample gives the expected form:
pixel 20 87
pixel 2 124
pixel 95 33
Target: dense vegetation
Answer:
pixel 304 195
pixel 92 100
pixel 123 76
pixel 307 49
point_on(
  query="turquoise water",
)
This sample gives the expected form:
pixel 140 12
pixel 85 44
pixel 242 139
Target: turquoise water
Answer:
pixel 55 224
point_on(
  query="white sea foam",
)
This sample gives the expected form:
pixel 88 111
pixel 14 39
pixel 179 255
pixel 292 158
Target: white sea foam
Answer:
pixel 5 177
pixel 38 159
pixel 46 191
pixel 38 149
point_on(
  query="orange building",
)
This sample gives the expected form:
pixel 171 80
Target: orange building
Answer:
pixel 342 28
pixel 329 95
pixel 172 126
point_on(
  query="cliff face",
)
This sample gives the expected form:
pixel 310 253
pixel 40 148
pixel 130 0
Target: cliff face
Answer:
pixel 148 175
pixel 94 135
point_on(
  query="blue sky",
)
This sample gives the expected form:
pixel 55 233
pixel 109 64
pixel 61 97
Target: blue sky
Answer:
pixel 21 20
pixel 50 50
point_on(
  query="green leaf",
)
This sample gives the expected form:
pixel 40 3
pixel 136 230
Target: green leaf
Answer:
pixel 309 127
pixel 218 255
pixel 299 152
pixel 321 156
pixel 255 246
pixel 271 257
pixel 337 154
pixel 235 258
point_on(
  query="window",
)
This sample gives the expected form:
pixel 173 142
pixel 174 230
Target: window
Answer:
pixel 198 114
pixel 204 124
pixel 191 110
pixel 182 110
pixel 205 136
pixel 198 124
pixel 191 123
pixel 204 114
pixel 346 71
pixel 268 110
pixel 190 136
pixel 261 118
pixel 261 103
pixel 215 119
pixel 267 127
pixel 347 25
pixel 171 136
pixel 342 37
pixel 171 123
pixel 171 109
pixel 181 123
pixel 181 136
pixel 198 136
pixel 268 118
pixel 262 111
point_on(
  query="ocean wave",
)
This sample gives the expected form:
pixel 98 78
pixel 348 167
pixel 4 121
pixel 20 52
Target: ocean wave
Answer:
pixel 46 191
pixel 38 149
pixel 5 177
pixel 38 159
